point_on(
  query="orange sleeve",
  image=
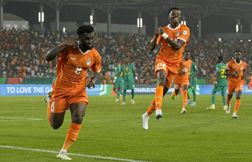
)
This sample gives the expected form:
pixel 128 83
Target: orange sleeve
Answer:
pixel 184 34
pixel 96 67
pixel 61 60
pixel 229 64
pixel 247 66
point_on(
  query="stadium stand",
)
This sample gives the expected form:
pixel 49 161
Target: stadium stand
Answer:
pixel 26 59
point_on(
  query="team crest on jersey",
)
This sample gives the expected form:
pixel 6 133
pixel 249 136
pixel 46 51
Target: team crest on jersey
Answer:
pixel 88 61
pixel 184 32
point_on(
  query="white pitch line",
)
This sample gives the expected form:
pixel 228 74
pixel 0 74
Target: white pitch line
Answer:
pixel 73 154
pixel 3 118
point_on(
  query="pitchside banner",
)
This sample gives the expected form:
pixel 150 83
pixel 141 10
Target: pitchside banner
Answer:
pixel 200 89
pixel 99 90
pixel 43 89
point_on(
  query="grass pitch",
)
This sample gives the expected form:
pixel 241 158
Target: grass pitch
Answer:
pixel 111 130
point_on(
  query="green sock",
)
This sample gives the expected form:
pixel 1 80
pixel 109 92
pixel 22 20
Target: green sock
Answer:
pixel 124 95
pixel 132 94
pixel 213 98
pixel 194 95
pixel 224 99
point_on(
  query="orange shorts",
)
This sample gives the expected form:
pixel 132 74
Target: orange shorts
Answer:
pixel 180 81
pixel 234 87
pixel 169 70
pixel 61 99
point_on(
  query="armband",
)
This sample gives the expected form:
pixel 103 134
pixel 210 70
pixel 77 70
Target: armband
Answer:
pixel 164 35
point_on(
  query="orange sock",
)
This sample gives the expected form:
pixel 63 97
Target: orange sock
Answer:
pixel 159 97
pixel 151 108
pixel 49 112
pixel 72 135
pixel 184 98
pixel 237 105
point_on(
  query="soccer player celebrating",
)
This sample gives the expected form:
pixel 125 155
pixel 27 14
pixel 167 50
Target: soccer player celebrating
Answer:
pixel 74 59
pixel 182 80
pixel 118 81
pixel 129 76
pixel 235 71
pixel 173 39
pixel 220 83
pixel 193 83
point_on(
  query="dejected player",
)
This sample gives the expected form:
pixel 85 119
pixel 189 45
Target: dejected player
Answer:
pixel 220 83
pixel 118 82
pixel 129 76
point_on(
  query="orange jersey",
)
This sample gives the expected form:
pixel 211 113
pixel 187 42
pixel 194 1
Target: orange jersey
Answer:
pixel 250 82
pixel 184 70
pixel 234 67
pixel 250 79
pixel 72 66
pixel 169 54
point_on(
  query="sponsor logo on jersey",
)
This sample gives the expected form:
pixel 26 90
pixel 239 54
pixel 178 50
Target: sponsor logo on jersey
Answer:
pixel 88 61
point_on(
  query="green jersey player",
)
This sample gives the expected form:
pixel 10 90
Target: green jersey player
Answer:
pixel 129 80
pixel 118 81
pixel 220 83
pixel 193 83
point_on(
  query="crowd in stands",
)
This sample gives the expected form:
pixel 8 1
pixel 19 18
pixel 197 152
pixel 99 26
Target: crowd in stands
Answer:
pixel 22 53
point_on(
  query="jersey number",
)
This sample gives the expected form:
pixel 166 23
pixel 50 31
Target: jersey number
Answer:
pixel 222 73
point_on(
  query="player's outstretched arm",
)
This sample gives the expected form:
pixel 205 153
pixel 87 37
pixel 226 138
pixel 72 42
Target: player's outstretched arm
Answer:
pixel 52 53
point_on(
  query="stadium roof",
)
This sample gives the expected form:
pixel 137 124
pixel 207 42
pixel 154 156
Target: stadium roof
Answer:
pixel 216 15
pixel 194 7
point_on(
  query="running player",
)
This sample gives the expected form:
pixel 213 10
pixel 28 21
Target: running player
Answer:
pixel 235 71
pixel 173 39
pixel 74 58
pixel 181 80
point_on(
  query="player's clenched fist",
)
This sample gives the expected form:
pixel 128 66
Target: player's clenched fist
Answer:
pixel 235 74
pixel 159 31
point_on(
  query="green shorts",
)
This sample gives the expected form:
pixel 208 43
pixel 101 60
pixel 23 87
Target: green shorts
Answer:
pixel 219 88
pixel 193 85
pixel 129 85
pixel 119 83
